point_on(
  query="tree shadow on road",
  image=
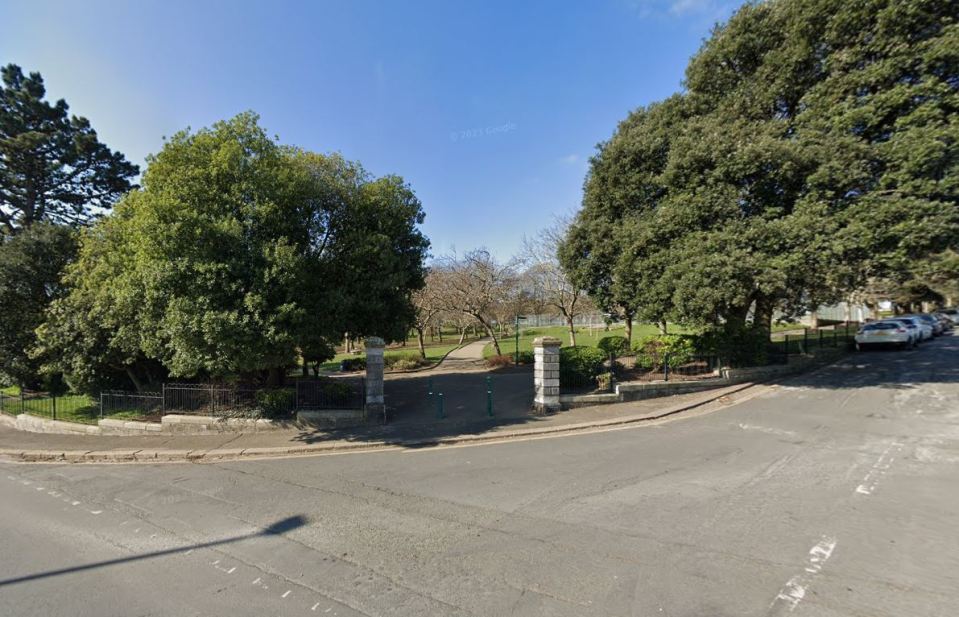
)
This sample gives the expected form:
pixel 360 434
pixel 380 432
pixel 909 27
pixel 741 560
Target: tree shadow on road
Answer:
pixel 934 362
pixel 278 528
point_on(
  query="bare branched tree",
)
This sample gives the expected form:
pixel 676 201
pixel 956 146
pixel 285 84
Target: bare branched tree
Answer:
pixel 428 306
pixel 548 282
pixel 476 285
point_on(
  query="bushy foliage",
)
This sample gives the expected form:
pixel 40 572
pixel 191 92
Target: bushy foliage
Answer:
pixel 616 345
pixel 406 362
pixel 581 364
pixel 815 146
pixel 353 364
pixel 275 403
pixel 238 256
pixel 499 361
pixel 655 352
pixel 523 357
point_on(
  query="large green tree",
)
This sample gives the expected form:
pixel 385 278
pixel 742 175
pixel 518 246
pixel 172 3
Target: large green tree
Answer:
pixel 52 165
pixel 237 255
pixel 30 266
pixel 816 146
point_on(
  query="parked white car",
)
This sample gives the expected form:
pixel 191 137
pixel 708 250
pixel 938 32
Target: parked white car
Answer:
pixel 924 328
pixel 883 333
pixel 914 330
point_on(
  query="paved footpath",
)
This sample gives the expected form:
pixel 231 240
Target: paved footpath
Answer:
pixel 465 428
pixel 832 494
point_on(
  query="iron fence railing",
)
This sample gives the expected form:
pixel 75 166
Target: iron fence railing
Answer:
pixel 328 393
pixel 131 405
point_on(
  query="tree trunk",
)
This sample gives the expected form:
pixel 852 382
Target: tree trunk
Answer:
pixel 306 368
pixel 439 332
pixel 133 377
pixel 276 376
pixel 814 320
pixel 419 338
pixel 462 335
pixel 763 316
pixel 572 331
pixel 663 327
pixel 629 328
pixel 492 334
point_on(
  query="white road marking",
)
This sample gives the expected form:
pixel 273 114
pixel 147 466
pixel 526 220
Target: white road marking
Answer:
pixel 766 429
pixel 287 593
pixel 256 582
pixel 314 606
pixel 40 488
pixel 74 503
pixel 795 588
pixel 189 551
pixel 878 469
pixel 231 570
pixel 96 512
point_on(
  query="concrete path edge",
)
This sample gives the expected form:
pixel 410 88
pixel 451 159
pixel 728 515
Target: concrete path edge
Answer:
pixel 221 454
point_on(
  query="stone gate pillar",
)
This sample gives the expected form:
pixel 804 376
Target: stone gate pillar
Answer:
pixel 374 377
pixel 546 374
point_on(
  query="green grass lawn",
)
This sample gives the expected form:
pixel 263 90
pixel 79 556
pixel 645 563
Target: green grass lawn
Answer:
pixel 69 408
pixel 434 352
pixel 585 337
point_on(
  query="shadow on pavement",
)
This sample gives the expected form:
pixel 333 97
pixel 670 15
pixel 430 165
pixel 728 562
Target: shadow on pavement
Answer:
pixel 429 407
pixel 935 361
pixel 278 528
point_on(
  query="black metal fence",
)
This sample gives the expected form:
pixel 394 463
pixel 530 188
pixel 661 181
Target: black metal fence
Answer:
pixel 68 407
pixel 637 366
pixel 131 405
pixel 340 393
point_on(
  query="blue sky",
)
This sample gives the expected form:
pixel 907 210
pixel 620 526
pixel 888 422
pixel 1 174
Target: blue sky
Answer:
pixel 490 110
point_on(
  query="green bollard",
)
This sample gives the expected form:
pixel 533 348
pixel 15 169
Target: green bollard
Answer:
pixel 489 396
pixel 439 406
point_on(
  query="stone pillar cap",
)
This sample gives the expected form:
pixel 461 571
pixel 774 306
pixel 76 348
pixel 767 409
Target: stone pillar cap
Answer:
pixel 374 341
pixel 546 341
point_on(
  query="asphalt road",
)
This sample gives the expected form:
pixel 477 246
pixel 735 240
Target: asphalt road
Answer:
pixel 832 494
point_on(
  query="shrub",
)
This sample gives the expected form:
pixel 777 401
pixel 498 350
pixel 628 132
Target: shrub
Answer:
pixel 742 347
pixel 403 362
pixel 617 345
pixel 275 403
pixel 353 364
pixel 604 381
pixel 653 352
pixel 580 364
pixel 523 357
pixel 499 361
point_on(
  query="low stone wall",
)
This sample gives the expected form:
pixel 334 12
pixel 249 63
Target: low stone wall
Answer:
pixel 169 425
pixel 33 424
pixel 635 391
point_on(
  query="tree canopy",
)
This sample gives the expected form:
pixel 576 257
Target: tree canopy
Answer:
pixel 237 255
pixel 52 165
pixel 30 266
pixel 816 145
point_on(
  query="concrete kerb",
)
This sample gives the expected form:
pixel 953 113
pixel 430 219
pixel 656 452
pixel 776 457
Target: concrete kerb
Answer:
pixel 199 456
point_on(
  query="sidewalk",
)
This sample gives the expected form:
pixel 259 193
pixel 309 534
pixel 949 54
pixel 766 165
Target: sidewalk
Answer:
pixel 34 447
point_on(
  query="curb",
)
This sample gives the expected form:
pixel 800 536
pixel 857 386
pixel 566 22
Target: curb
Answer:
pixel 198 456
